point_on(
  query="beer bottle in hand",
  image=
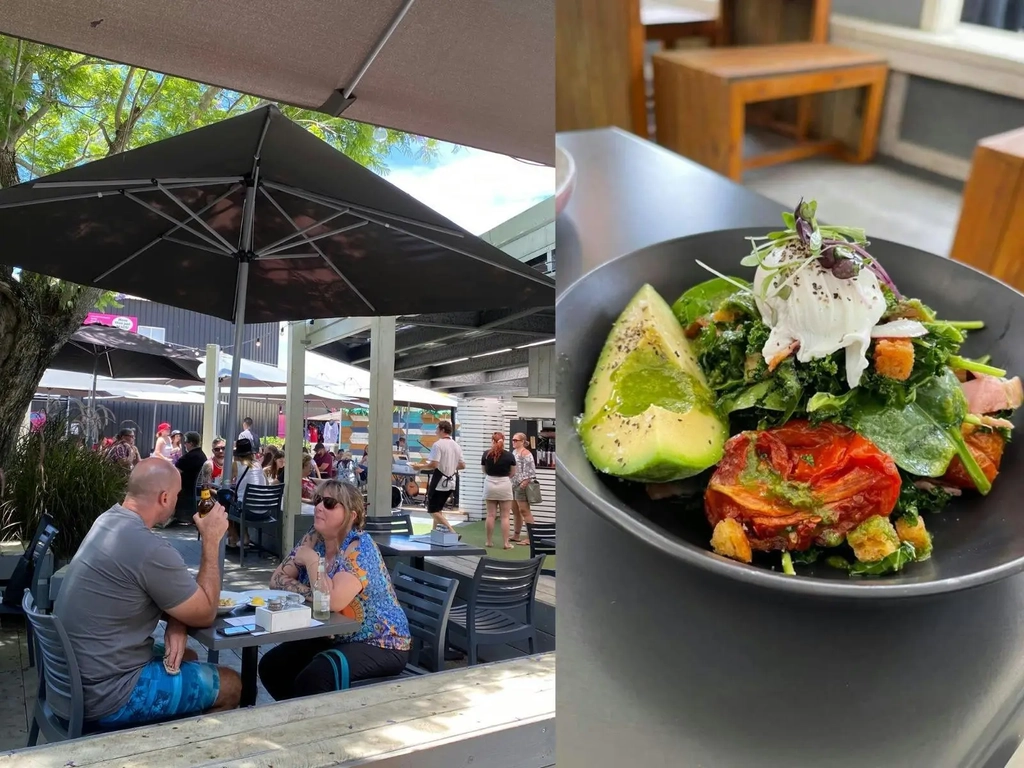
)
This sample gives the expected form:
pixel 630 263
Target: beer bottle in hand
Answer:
pixel 206 501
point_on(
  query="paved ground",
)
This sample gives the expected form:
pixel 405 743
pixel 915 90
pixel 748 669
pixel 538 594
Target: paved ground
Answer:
pixel 18 682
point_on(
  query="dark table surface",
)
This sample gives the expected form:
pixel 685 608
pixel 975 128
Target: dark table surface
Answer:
pixel 415 546
pixel 210 637
pixel 617 686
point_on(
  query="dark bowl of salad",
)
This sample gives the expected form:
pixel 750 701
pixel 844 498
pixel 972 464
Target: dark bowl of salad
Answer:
pixel 802 409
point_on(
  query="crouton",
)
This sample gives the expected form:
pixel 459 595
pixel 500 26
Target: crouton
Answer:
pixel 730 540
pixel 873 539
pixel 894 358
pixel 916 534
pixel 724 316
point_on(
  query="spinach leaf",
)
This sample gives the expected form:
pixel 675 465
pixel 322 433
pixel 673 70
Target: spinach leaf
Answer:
pixel 704 298
pixel 806 556
pixel 923 436
pixel 889 564
pixel 914 501
pixel 742 399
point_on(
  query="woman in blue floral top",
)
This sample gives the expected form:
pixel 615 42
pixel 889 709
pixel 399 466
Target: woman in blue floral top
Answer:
pixel 360 588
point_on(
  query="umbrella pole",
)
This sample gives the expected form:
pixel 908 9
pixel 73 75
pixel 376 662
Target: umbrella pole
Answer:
pixel 241 289
pixel 92 399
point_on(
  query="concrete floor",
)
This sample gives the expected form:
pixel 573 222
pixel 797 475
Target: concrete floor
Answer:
pixel 890 203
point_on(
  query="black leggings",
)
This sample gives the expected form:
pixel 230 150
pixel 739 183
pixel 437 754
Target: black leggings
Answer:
pixel 302 668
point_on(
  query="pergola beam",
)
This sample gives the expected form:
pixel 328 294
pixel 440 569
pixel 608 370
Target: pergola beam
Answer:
pixel 515 358
pixel 480 348
pixel 321 332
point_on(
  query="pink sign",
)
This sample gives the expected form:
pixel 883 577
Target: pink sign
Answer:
pixel 124 322
pixel 280 424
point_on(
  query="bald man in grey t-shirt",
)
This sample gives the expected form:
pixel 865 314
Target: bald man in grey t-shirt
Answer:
pixel 122 581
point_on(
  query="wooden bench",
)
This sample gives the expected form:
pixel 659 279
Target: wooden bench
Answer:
pixel 701 98
pixel 463 568
pixel 990 235
pixel 490 715
pixel 668 23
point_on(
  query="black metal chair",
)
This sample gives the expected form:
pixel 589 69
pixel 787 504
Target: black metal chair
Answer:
pixel 59 679
pixel 499 587
pixel 427 601
pixel 259 508
pixel 397 525
pixel 542 542
pixel 26 576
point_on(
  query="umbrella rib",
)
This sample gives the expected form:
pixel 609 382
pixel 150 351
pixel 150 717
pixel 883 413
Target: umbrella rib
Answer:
pixel 312 226
pixel 148 184
pixel 316 248
pixel 339 204
pixel 178 223
pixel 194 216
pixel 378 47
pixel 311 240
pixel 164 236
pixel 206 248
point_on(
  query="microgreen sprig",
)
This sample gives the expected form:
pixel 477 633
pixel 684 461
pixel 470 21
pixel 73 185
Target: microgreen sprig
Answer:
pixel 841 250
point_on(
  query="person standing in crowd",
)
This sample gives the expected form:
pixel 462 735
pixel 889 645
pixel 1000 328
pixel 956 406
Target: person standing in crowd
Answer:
pixel 246 472
pixel 163 441
pixel 190 466
pixel 123 451
pixel 176 448
pixel 499 466
pixel 525 475
pixel 364 465
pixel 213 469
pixel 445 460
pixel 248 433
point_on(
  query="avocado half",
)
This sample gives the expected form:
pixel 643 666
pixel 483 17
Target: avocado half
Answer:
pixel 649 414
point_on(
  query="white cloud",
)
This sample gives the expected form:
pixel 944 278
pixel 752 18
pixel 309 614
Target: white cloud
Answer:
pixel 477 190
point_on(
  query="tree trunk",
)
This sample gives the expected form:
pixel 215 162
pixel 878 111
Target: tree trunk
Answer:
pixel 35 323
pixel 8 167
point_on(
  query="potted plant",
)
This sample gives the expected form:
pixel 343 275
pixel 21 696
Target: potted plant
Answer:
pixel 51 470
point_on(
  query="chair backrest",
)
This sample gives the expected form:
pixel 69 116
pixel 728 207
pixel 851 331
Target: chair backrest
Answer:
pixel 427 601
pixel 505 585
pixel 538 533
pixel 396 497
pixel 399 525
pixel 60 682
pixel 26 572
pixel 262 500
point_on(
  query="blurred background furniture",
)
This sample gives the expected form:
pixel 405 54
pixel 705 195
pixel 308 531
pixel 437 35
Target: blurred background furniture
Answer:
pixel 990 234
pixel 723 81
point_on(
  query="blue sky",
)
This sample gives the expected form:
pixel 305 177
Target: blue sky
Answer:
pixel 476 189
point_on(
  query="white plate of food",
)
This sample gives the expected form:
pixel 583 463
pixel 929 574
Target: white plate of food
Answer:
pixel 258 598
pixel 229 601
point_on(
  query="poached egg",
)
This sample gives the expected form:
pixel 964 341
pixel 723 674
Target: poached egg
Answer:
pixel 821 313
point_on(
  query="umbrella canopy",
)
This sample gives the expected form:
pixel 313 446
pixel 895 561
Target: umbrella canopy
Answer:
pixel 261 204
pixel 469 72
pixel 117 354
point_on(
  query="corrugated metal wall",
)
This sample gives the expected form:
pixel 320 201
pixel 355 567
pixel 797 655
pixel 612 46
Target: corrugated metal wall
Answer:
pixel 192 329
pixel 143 417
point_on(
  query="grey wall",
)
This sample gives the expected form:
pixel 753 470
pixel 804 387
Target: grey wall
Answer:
pixel 906 13
pixel 953 118
pixel 193 329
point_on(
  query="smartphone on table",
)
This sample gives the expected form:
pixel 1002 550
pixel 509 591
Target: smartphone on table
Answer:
pixel 245 629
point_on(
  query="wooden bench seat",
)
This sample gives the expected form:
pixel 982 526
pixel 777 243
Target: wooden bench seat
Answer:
pixel 990 234
pixel 492 715
pixel 701 98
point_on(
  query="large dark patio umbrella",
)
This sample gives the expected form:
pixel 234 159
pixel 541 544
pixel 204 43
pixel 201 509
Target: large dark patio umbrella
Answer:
pixel 254 219
pixel 117 354
pixel 106 351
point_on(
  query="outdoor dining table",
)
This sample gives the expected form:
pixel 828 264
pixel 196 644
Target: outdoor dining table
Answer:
pixel 419 547
pixel 212 639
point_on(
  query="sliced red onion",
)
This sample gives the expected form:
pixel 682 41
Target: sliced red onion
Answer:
pixel 899 329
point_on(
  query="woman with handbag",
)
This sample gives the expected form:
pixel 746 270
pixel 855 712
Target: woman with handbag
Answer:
pixel 525 488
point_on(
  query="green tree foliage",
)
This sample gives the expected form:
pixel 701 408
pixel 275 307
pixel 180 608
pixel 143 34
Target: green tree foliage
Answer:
pixel 59 109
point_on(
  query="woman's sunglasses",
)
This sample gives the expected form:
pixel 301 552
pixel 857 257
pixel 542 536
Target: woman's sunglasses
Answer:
pixel 327 501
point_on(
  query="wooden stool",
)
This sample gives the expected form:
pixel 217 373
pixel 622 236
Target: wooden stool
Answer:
pixel 700 99
pixel 669 23
pixel 990 235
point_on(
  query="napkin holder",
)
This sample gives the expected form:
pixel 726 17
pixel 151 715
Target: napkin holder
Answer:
pixel 443 538
pixel 289 617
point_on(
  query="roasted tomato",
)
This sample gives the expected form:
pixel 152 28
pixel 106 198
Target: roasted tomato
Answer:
pixel 800 485
pixel 986 446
